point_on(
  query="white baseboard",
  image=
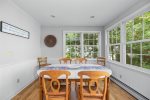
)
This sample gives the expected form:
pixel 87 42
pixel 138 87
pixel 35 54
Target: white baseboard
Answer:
pixel 24 71
pixel 129 89
pixel 17 92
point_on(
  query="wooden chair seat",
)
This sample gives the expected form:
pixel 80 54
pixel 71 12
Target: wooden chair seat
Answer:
pixel 92 98
pixel 61 91
pixel 87 96
pixel 57 98
pixel 86 89
pixel 42 65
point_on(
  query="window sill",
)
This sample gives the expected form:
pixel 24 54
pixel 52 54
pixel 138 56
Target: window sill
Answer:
pixel 132 67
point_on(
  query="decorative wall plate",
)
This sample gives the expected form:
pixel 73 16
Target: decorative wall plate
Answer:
pixel 50 40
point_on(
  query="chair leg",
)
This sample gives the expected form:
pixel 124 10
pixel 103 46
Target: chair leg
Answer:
pixel 70 83
pixel 69 95
pixel 78 95
pixel 107 95
pixel 75 86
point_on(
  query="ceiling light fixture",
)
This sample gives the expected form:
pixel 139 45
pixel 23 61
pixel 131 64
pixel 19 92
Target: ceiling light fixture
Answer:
pixel 92 16
pixel 53 16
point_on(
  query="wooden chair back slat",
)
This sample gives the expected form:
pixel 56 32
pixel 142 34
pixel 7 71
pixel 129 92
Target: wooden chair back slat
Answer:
pixel 42 61
pixel 81 60
pixel 101 60
pixel 65 60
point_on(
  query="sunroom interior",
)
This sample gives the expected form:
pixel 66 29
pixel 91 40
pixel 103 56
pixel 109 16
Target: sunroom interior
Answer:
pixel 118 30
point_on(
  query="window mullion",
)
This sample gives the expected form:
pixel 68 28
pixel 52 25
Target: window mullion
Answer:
pixel 116 35
pixel 107 37
pixel 132 43
pixel 143 27
pixel 141 54
pixel 82 44
pixel 131 54
pixel 123 43
pixel 64 44
pixel 99 44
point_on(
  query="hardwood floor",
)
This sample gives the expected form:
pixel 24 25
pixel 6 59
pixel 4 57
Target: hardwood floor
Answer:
pixel 32 93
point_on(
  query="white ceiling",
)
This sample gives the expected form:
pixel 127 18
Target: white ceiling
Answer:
pixel 76 12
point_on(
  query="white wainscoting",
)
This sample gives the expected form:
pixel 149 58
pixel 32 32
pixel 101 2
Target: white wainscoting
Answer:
pixel 137 80
pixel 24 72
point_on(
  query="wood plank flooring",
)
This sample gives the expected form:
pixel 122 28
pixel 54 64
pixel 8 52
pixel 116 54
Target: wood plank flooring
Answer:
pixel 32 93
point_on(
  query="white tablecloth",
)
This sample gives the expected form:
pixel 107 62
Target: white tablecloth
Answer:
pixel 74 69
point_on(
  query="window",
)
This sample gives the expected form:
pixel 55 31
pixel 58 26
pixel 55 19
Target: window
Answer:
pixel 73 47
pixel 114 44
pixel 90 45
pixel 81 44
pixel 138 41
pixel 135 43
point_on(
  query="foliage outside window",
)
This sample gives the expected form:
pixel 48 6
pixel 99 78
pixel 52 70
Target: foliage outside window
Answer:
pixel 90 45
pixel 138 41
pixel 73 48
pixel 76 42
pixel 114 44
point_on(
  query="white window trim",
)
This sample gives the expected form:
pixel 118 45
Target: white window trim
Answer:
pixel 82 49
pixel 108 44
pixel 131 67
pixel 136 13
pixel 122 22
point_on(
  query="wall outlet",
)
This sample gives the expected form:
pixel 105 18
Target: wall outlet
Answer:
pixel 18 80
pixel 120 76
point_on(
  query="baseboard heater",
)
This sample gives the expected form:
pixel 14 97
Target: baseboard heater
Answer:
pixel 130 90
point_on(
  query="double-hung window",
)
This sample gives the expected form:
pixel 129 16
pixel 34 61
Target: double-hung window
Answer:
pixel 114 43
pixel 72 45
pixel 133 36
pixel 138 41
pixel 90 45
pixel 82 44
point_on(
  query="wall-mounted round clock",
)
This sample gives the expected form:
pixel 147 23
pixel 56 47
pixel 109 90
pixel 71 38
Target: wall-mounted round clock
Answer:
pixel 50 40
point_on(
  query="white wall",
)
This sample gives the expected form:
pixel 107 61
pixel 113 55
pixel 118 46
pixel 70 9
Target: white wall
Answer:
pixel 134 77
pixel 137 80
pixel 17 55
pixel 57 51
pixel 128 12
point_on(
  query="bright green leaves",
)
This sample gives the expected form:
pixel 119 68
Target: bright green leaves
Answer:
pixel 138 28
pixel 73 49
pixel 146 19
pixel 90 45
pixel 114 35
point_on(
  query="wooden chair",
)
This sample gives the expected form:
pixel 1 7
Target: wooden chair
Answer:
pixel 81 60
pixel 92 91
pixel 65 60
pixel 42 61
pixel 101 61
pixel 55 91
